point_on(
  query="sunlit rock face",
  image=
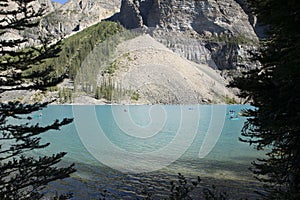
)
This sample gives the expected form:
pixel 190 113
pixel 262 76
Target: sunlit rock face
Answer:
pixel 202 16
pixel 75 15
pixel 209 19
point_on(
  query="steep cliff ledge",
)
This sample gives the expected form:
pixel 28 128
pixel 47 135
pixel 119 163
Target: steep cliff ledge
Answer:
pixel 223 28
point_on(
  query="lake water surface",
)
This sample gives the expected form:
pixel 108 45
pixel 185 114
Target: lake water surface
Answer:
pixel 125 149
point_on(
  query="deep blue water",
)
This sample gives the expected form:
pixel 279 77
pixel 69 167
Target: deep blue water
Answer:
pixel 124 148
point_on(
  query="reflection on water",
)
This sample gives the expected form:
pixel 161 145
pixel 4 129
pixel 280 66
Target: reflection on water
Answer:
pixel 225 166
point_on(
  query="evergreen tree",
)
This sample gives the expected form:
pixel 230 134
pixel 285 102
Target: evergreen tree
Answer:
pixel 274 89
pixel 23 176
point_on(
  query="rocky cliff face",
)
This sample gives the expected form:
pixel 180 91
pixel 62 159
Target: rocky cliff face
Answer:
pixel 63 20
pixel 205 17
pixel 210 21
pixel 49 7
pixel 76 15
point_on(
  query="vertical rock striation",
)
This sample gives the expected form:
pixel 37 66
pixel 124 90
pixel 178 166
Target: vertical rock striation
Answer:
pixel 214 22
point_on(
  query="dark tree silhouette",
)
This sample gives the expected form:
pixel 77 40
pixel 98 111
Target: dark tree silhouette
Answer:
pixel 274 89
pixel 23 176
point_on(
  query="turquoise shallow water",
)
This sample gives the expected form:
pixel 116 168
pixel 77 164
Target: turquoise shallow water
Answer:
pixel 124 148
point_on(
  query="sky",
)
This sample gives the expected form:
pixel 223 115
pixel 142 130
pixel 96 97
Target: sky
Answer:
pixel 60 1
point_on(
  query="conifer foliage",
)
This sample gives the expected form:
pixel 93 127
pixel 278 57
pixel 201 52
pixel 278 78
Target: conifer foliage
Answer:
pixel 274 89
pixel 22 176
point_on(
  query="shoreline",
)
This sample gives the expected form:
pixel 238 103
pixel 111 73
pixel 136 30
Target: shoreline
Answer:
pixel 137 104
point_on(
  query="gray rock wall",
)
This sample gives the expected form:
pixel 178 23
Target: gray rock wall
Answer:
pixel 201 19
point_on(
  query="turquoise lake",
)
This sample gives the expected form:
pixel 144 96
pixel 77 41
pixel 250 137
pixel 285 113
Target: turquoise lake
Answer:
pixel 123 149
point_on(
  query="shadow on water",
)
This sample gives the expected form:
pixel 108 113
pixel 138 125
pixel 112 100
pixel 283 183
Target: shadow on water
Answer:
pixel 90 182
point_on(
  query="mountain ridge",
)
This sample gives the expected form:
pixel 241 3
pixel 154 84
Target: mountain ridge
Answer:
pixel 207 20
pixel 211 20
pixel 200 35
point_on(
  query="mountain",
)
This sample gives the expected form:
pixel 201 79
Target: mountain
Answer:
pixel 223 29
pixel 175 51
pixel 217 33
